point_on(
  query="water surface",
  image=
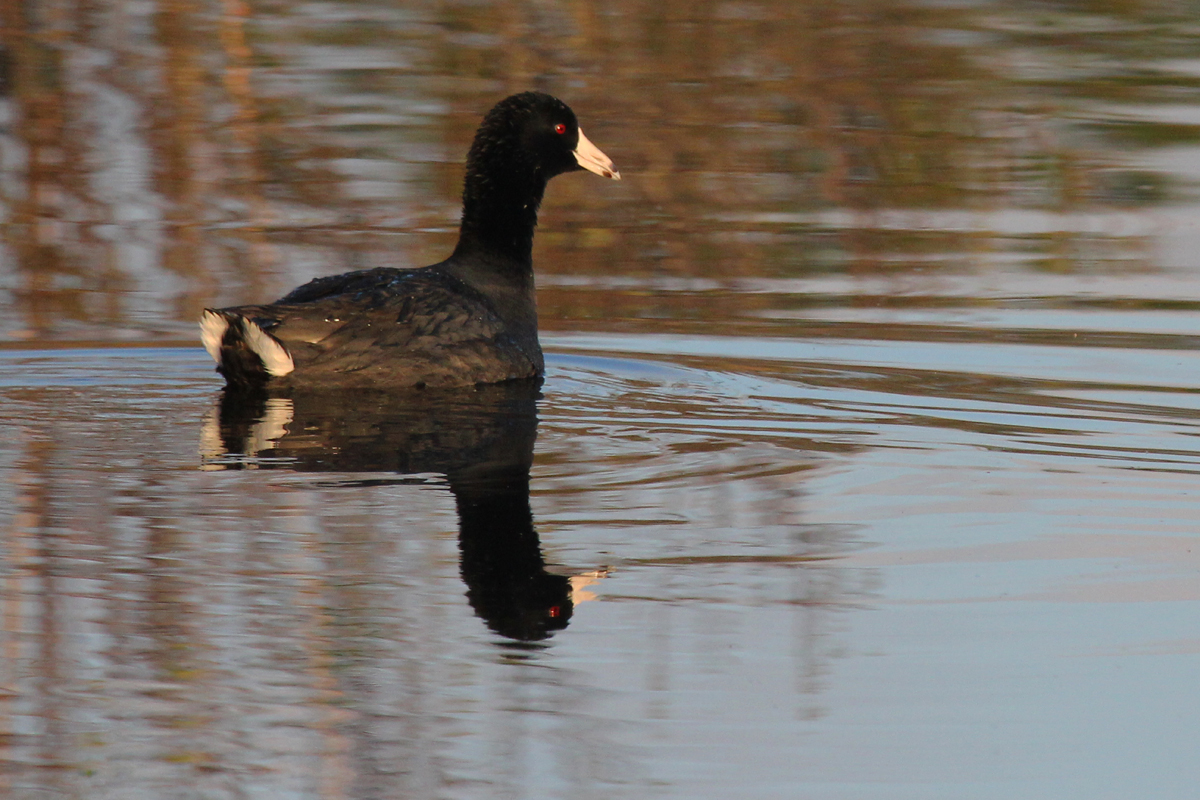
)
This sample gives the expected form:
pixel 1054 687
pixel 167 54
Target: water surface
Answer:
pixel 865 464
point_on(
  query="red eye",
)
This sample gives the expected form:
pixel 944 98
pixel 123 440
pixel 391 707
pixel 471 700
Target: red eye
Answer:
pixel 560 128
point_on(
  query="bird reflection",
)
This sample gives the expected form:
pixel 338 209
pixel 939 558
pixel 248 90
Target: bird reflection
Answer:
pixel 481 439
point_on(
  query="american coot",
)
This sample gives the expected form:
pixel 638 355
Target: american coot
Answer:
pixel 470 319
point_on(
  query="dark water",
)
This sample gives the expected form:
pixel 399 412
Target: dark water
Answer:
pixel 865 465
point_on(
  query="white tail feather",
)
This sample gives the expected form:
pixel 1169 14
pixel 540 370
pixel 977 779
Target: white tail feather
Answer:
pixel 276 359
pixel 212 331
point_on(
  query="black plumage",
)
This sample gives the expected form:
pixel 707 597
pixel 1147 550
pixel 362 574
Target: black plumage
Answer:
pixel 470 319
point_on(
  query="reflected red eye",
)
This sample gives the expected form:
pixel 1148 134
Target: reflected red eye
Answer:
pixel 560 128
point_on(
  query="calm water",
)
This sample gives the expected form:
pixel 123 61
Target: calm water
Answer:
pixel 866 464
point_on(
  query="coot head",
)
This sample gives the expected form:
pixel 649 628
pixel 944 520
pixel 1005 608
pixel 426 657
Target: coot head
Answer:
pixel 534 135
pixel 523 142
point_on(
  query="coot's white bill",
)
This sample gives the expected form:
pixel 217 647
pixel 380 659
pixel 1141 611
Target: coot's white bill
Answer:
pixel 591 159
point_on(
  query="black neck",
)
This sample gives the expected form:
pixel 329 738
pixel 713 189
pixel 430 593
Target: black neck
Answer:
pixel 499 216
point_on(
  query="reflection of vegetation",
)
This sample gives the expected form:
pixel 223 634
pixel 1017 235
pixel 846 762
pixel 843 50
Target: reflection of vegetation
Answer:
pixel 1147 133
pixel 760 138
